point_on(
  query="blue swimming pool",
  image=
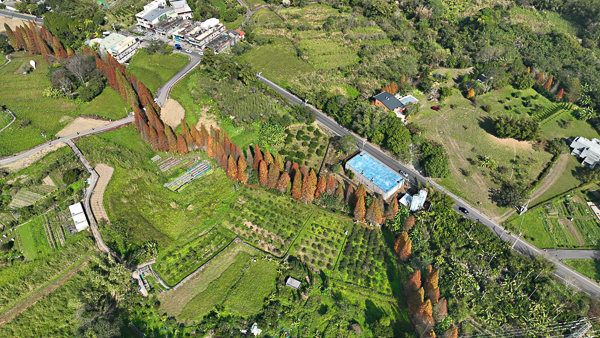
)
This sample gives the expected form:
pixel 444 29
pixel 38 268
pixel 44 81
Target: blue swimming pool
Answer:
pixel 382 176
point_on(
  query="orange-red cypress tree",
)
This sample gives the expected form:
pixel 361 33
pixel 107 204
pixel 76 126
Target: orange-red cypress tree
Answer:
pixel 232 171
pixel 414 282
pixel 304 170
pixel 560 94
pixel 20 39
pixel 224 162
pixel 263 173
pixel 548 83
pixel 219 153
pixel 273 177
pixel 350 196
pixel 257 157
pixel 209 147
pixel 360 191
pixel 403 246
pixel 409 223
pixel 393 208
pixel 320 186
pixel 283 182
pixel 374 213
pixel 331 185
pixel 12 39
pixel 163 143
pixel 238 152
pixel 359 209
pixel 279 162
pixel 182 148
pixel 241 167
pixel 308 190
pixel 471 93
pixel 295 169
pixel 268 158
pixel 226 144
pixel 171 139
pixel 297 186
pixel 153 138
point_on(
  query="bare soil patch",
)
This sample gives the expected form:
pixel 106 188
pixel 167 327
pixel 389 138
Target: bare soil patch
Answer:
pixel 81 124
pixel 264 245
pixel 12 23
pixel 48 181
pixel 511 142
pixel 29 160
pixel 205 119
pixel 105 173
pixel 172 113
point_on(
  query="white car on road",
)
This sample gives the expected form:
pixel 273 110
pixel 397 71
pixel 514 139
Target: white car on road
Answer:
pixel 188 51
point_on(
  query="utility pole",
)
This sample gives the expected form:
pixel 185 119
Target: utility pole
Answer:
pixel 581 331
pixel 523 210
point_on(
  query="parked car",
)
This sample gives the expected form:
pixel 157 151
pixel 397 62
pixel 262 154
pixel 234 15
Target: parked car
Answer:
pixel 403 173
pixel 463 210
pixel 188 51
pixel 436 108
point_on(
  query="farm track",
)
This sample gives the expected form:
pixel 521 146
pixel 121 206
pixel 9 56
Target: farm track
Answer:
pixel 42 292
pixel 48 232
pixel 548 181
pixel 98 209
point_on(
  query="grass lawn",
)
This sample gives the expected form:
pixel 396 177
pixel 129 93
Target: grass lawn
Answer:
pixel 156 69
pixel 5 119
pixel 555 127
pixel 109 105
pixel 237 23
pixel 248 295
pixel 252 4
pixel 465 132
pixel 279 69
pixel 27 242
pixel 566 181
pixel 218 290
pixel 136 193
pixel 175 301
pixel 587 267
pixel 22 94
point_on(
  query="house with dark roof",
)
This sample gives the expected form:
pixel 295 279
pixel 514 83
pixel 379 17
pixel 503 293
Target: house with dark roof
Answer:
pixel 394 103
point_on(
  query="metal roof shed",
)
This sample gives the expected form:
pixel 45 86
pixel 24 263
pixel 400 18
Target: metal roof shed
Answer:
pixel 293 283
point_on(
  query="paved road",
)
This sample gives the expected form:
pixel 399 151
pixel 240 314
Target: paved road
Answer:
pixel 21 16
pixel 573 254
pixel 162 94
pixel 568 275
pixel 13 158
pixel 14 118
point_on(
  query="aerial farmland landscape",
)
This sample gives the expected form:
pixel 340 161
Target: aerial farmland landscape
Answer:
pixel 264 168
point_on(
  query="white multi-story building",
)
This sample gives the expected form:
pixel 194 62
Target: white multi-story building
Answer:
pixel 119 46
pixel 182 9
pixel 153 13
pixel 199 34
pixel 587 151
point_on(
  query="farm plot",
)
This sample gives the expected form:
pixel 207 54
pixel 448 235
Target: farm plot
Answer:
pixel 178 262
pixel 563 222
pixel 322 239
pixel 24 198
pixel 34 239
pixel 189 176
pixel 364 260
pixel 305 144
pixel 267 221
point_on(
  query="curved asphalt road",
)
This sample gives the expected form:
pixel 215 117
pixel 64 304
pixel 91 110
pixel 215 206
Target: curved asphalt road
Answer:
pixel 568 275
pixel 13 158
pixel 162 93
pixel 21 16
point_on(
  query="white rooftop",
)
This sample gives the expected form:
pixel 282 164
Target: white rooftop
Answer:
pixel 407 100
pixel 406 200
pixel 586 149
pixel 293 283
pixel 78 216
pixel 181 7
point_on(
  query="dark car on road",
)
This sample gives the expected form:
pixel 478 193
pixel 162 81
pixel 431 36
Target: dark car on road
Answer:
pixel 436 108
pixel 463 210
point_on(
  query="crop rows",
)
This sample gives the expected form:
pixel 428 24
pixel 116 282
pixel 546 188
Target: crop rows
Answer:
pixel 552 111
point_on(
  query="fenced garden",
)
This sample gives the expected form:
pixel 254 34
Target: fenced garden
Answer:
pixel 564 222
pixel 178 262
pixel 266 220
pixel 191 174
pixel 365 260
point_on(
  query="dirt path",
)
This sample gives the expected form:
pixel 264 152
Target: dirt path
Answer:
pixel 29 160
pixel 548 181
pixel 569 225
pixel 82 124
pixel 23 305
pixel 97 200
